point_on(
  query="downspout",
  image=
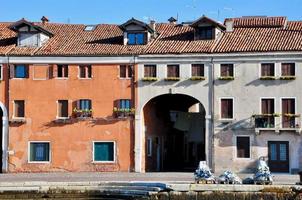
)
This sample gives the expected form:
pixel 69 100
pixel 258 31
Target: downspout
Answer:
pixel 133 96
pixel 212 113
pixel 5 125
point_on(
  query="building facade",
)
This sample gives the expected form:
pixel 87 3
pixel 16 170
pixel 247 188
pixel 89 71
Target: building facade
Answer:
pixel 151 97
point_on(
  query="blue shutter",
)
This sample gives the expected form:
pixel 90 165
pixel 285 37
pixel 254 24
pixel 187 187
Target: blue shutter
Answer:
pixel 103 151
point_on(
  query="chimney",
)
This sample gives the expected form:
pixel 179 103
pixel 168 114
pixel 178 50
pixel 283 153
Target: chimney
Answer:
pixel 172 20
pixel 229 25
pixel 44 20
pixel 152 24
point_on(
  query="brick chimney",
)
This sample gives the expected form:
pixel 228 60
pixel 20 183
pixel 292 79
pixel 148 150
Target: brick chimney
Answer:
pixel 229 25
pixel 44 20
pixel 152 24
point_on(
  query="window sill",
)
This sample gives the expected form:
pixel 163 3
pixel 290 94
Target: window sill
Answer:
pixel 18 120
pixel 226 120
pixel 85 78
pixel 268 78
pixel 61 78
pixel 149 79
pixel 226 78
pixel 121 78
pixel 172 79
pixel 287 77
pixel 39 162
pixel 19 78
pixel 197 78
pixel 103 162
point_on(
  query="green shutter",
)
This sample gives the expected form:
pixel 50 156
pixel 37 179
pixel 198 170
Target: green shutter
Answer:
pixel 103 151
pixel 31 151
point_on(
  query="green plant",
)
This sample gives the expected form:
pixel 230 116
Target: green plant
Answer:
pixel 267 78
pixel 287 77
pixel 172 79
pixel 149 79
pixel 197 78
pixel 291 115
pixel 229 78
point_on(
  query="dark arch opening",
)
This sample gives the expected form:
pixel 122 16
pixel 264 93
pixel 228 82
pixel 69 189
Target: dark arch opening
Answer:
pixel 174 133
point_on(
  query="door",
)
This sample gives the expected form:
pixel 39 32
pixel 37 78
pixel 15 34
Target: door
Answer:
pixel 278 156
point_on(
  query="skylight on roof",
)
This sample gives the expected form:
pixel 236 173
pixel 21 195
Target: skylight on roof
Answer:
pixel 90 27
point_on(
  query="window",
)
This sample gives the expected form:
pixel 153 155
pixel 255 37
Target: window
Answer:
pixel 90 27
pixel 125 71
pixel 226 109
pixel 104 151
pixel 63 109
pixel 150 71
pixel 288 113
pixel 20 71
pixel 204 33
pixel 149 147
pixel 197 70
pixel 172 71
pixel 267 118
pixel 85 104
pixel 39 152
pixel 124 104
pixel 19 109
pixel 85 71
pixel 288 69
pixel 62 71
pixel 243 147
pixel 136 38
pixel 1 72
pixel 267 69
pixel 227 70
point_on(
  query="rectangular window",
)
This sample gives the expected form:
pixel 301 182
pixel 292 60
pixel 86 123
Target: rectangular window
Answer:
pixel 226 109
pixel 288 113
pixel 172 71
pixel 288 69
pixel 104 152
pixel 150 71
pixel 136 38
pixel 227 70
pixel 125 104
pixel 267 69
pixel 85 71
pixel 197 70
pixel 267 110
pixel 149 147
pixel 125 71
pixel 84 104
pixel 62 71
pixel 243 147
pixel 20 71
pixel 204 33
pixel 19 110
pixel 39 152
pixel 1 72
pixel 63 108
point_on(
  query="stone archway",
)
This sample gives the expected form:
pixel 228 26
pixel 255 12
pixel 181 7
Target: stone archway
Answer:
pixel 174 135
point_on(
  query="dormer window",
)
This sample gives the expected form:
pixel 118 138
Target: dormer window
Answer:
pixel 30 34
pixel 137 32
pixel 136 38
pixel 204 33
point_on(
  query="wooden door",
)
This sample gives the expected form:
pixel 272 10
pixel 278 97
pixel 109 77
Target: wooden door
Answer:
pixel 278 156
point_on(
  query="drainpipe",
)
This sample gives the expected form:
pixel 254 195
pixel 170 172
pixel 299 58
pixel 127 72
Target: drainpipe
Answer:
pixel 133 86
pixel 5 126
pixel 212 112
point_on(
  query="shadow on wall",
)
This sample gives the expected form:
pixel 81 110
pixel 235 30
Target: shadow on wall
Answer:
pixel 267 83
pixel 183 83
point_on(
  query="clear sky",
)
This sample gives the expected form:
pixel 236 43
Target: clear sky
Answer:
pixel 119 11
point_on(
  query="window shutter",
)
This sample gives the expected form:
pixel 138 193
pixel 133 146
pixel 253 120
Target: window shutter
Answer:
pixel 223 108
pixel 223 70
pixel 89 73
pixel 264 106
pixel 50 71
pixel 26 71
pixel 11 71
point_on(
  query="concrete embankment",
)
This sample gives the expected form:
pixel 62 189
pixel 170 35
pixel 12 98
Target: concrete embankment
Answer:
pixel 146 190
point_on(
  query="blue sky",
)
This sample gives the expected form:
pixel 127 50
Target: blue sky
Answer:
pixel 118 11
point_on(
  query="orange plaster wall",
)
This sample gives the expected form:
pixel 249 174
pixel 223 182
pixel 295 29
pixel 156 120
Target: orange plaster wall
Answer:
pixel 71 143
pixel 4 86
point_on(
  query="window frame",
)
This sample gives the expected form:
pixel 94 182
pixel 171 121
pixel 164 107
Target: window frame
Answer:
pixel 1 72
pixel 58 117
pixel 136 33
pixel 79 104
pixel 226 63
pixel 79 72
pixel 26 75
pixel 220 111
pixel 39 162
pixel 281 111
pixel 104 141
pixel 14 109
pixel 154 65
pixel 127 71
pixel 173 64
pixel 203 66
pixel 260 69
pixel 235 148
pixel 57 77
pixel 281 75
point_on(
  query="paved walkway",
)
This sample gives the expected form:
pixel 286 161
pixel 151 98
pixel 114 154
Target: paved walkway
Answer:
pixel 284 179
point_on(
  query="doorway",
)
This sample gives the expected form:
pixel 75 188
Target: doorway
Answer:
pixel 278 156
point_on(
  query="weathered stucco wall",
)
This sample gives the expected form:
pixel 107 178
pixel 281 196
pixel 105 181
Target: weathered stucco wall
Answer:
pixel 71 143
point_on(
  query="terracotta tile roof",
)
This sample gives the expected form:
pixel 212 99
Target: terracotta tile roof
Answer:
pixel 249 35
pixel 262 39
pixel 250 22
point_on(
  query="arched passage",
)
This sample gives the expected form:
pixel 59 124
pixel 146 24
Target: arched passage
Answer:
pixel 174 133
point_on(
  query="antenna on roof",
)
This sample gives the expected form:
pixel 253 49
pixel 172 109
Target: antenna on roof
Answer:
pixel 68 20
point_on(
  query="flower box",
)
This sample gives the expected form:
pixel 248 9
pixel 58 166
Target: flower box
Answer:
pixel 172 79
pixel 17 121
pixel 123 112
pixel 149 79
pixel 78 113
pixel 226 78
pixel 197 78
pixel 267 78
pixel 287 77
pixel 266 115
pixel 291 115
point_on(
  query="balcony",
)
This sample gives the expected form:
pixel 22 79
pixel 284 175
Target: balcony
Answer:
pixel 277 122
